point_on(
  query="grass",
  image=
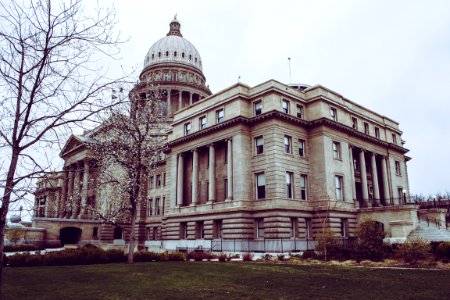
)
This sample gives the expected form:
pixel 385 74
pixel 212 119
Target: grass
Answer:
pixel 197 280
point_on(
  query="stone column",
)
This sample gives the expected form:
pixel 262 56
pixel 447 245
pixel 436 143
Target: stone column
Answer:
pixel 376 188
pixel 352 173
pixel 212 174
pixel 180 180
pixel 190 98
pixel 180 100
pixel 169 106
pixel 229 170
pixel 387 199
pixel 194 177
pixel 70 198
pixel 76 191
pixel 84 190
pixel 365 192
pixel 63 200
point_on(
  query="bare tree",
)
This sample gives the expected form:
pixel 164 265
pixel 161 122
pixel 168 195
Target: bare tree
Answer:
pixel 128 145
pixel 49 82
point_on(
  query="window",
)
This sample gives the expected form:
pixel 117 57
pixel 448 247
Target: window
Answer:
pixel 219 115
pixel 301 148
pixel 175 53
pixel 259 228
pixel 187 128
pixel 199 230
pixel 377 132
pixel 287 144
pixel 394 138
pixel 217 229
pixel 289 184
pixel 162 208
pixel 154 233
pixel 257 107
pixel 398 171
pixel 118 233
pixel 401 195
pixel 260 186
pixel 150 183
pixel 303 187
pixel 259 143
pixel 150 207
pixel 355 164
pixel 336 150
pixel 167 53
pixel 344 227
pixel 355 123
pixel 166 76
pixel 366 128
pixel 183 231
pixel 285 106
pixel 95 232
pixel 157 209
pixel 339 188
pixel 202 122
pixel 164 179
pixel 294 227
pixel 299 111
pixel 333 113
pixel 225 187
pixel 158 181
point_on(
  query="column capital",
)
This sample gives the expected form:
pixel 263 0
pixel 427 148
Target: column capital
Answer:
pixel 194 150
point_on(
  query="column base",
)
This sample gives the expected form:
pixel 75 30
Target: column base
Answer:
pixel 228 199
pixel 210 202
pixel 193 204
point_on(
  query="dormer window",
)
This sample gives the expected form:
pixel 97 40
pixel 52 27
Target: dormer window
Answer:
pixel 153 56
pixel 190 57
pixel 175 53
pixel 182 54
pixel 159 54
pixel 167 53
pixel 196 60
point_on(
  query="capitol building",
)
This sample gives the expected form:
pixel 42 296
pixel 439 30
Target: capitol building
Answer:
pixel 246 167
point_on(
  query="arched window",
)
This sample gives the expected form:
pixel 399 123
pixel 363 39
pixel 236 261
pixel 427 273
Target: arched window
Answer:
pixel 190 57
pixel 196 60
pixel 182 54
pixel 153 55
pixel 167 53
pixel 175 53
pixel 159 54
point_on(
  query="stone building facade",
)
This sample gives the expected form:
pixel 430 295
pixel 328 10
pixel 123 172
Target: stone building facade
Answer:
pixel 268 162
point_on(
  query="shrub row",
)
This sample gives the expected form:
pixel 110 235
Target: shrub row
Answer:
pixel 22 247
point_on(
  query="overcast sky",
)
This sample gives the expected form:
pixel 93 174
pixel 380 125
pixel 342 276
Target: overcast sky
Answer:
pixel 390 56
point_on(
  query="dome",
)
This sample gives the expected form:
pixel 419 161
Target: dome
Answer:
pixel 173 49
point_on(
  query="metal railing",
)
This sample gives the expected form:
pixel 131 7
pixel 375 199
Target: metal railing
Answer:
pixel 262 245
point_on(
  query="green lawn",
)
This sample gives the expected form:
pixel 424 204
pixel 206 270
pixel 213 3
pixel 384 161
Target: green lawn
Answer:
pixel 207 280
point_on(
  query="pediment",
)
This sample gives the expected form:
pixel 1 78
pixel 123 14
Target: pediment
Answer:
pixel 73 143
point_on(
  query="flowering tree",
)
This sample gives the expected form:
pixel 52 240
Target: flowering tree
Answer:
pixel 127 145
pixel 49 82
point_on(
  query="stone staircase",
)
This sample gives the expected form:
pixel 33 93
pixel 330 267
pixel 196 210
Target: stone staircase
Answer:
pixel 430 231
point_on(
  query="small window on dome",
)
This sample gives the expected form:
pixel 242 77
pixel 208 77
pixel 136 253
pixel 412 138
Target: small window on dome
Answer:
pixel 167 53
pixel 182 55
pixel 190 57
pixel 153 56
pixel 159 54
pixel 175 53
pixel 196 59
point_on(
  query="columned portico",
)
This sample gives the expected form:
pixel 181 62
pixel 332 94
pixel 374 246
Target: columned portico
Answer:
pixel 194 177
pixel 364 189
pixel 180 172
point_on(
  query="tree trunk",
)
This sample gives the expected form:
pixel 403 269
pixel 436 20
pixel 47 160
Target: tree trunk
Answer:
pixel 131 246
pixel 5 207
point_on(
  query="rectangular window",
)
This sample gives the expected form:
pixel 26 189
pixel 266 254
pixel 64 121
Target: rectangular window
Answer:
pixel 301 148
pixel 336 150
pixel 199 230
pixel 150 207
pixel 366 128
pixel 285 106
pixel 287 144
pixel 333 113
pixel 299 111
pixel 401 195
pixel 158 181
pixel 202 122
pixel 294 227
pixel 259 144
pixel 150 183
pixel 398 171
pixel 257 107
pixel 260 186
pixel 394 138
pixel 162 208
pixel 377 132
pixel 95 232
pixel 225 188
pixel 183 231
pixel 187 128
pixel 164 179
pixel 289 185
pixel 217 229
pixel 344 227
pixel 339 187
pixel 308 229
pixel 220 116
pixel 157 209
pixel 259 228
pixel 355 123
pixel 303 187
pixel 166 76
pixel 155 233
